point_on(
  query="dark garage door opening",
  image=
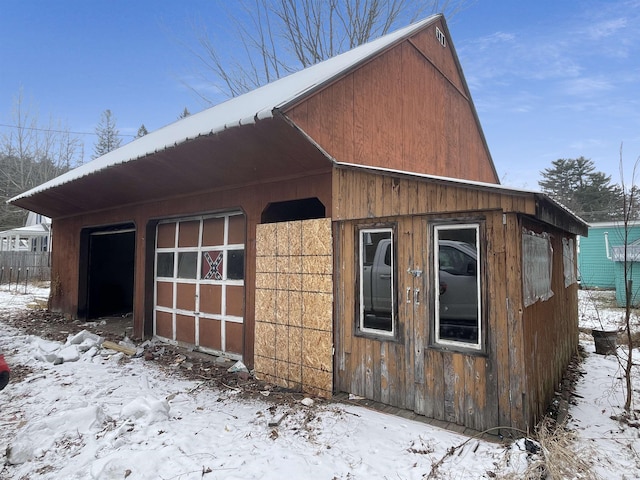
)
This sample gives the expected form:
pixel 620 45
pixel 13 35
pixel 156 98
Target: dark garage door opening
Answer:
pixel 109 261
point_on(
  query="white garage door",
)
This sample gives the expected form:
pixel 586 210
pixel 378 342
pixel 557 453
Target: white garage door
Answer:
pixel 199 282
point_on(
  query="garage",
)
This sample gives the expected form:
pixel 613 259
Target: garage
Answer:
pixel 257 222
pixel 199 282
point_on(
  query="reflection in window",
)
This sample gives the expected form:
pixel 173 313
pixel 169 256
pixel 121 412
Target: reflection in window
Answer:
pixel 457 319
pixel 377 275
pixel 187 264
pixel 164 267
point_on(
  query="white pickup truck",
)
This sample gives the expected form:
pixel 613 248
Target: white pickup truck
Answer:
pixel 458 290
pixel 376 281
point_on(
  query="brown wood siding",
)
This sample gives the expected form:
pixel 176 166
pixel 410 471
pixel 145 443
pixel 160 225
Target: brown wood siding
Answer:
pixel 407 372
pixel 429 46
pixel 399 111
pixel 506 385
pixel 510 365
pixel 251 199
pixel 362 194
pixel 550 334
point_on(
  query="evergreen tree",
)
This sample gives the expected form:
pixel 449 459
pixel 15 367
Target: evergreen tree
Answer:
pixel 142 131
pixel 185 113
pixel 578 186
pixel 108 135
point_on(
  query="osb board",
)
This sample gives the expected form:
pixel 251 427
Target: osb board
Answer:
pixel 294 305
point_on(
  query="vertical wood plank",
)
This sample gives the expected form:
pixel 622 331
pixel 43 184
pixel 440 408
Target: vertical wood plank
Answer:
pixel 497 398
pixel 367 349
pixel 517 383
pixel 449 372
pixel 420 309
pixel 413 202
pixel 459 385
pixel 386 370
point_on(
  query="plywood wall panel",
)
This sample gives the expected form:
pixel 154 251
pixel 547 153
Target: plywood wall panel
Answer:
pixel 294 305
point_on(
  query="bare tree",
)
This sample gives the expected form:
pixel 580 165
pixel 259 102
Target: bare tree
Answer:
pixel 30 154
pixel 629 203
pixel 276 37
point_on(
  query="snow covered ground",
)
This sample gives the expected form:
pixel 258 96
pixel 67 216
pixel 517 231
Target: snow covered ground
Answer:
pixel 101 415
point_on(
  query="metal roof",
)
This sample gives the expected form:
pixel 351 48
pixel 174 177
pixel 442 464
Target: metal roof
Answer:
pixel 239 111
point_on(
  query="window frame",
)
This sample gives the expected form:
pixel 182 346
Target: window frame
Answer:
pixel 436 341
pixel 360 328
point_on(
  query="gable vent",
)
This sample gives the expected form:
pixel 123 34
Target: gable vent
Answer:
pixel 441 38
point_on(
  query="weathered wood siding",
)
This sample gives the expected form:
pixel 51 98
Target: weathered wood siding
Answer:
pixel 550 333
pixel 359 194
pixel 251 200
pixel 477 389
pixel 407 109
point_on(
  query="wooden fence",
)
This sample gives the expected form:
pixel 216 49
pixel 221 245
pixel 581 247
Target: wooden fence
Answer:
pixel 24 267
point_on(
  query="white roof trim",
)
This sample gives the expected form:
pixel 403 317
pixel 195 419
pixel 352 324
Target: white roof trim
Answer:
pixel 40 230
pixel 462 182
pixel 614 224
pixel 243 110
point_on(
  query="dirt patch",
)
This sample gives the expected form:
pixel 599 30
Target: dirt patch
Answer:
pixel 209 370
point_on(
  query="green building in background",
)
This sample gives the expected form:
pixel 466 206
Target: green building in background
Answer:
pixel 601 259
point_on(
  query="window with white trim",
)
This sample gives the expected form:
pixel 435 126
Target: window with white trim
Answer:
pixel 376 281
pixel 458 320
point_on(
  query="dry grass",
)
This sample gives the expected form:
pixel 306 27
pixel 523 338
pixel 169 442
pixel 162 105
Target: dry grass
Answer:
pixel 560 458
pixel 557 458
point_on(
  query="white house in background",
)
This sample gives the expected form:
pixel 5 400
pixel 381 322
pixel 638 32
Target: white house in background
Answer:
pixel 35 236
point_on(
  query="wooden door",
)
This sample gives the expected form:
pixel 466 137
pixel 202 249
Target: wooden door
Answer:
pixel 375 361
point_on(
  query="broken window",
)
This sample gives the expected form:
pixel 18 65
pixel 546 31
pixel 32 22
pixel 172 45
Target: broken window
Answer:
pixel 376 281
pixel 537 266
pixel 457 285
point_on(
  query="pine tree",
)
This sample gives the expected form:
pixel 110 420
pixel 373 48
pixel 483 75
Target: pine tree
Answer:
pixel 185 113
pixel 108 135
pixel 577 185
pixel 142 131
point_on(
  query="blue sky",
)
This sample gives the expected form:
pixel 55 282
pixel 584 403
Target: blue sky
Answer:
pixel 550 79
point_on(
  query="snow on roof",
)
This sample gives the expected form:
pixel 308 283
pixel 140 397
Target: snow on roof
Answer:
pixel 28 231
pixel 246 109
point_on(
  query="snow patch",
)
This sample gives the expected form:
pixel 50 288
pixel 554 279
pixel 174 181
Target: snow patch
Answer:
pixel 146 410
